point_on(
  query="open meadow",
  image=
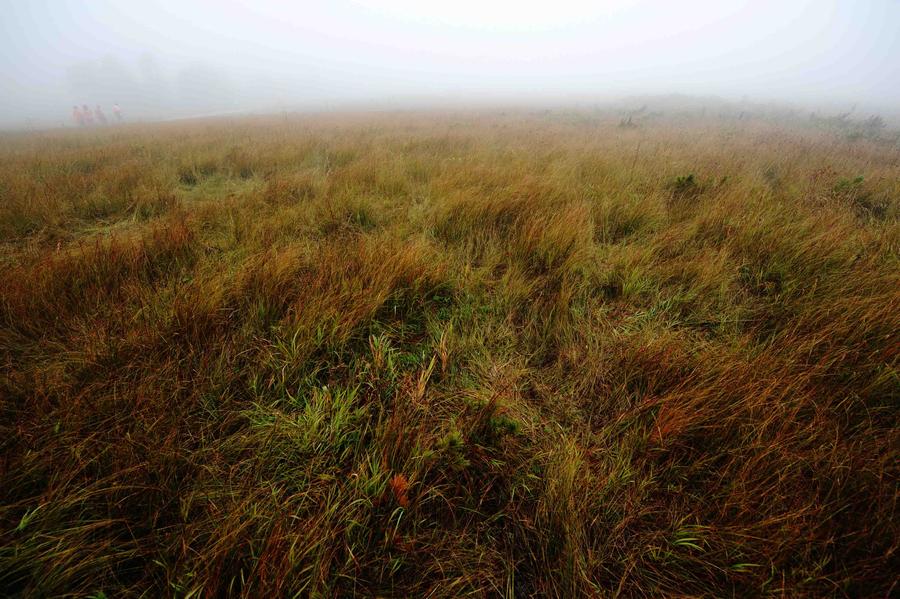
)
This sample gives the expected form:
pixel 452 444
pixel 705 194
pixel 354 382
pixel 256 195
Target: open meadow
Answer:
pixel 433 353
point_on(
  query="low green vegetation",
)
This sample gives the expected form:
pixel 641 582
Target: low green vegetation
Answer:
pixel 478 354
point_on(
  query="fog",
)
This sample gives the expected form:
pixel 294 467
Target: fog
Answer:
pixel 178 58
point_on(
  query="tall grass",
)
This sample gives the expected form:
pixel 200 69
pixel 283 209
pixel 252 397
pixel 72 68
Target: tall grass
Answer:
pixel 473 354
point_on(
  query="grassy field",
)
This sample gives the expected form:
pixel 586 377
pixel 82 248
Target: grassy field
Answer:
pixel 450 354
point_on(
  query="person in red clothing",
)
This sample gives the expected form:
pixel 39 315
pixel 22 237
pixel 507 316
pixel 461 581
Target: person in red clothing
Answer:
pixel 78 116
pixel 88 115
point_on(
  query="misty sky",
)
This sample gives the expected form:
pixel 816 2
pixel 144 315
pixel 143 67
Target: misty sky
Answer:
pixel 173 57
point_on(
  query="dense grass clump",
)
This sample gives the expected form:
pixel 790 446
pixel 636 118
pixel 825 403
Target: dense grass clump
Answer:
pixel 448 355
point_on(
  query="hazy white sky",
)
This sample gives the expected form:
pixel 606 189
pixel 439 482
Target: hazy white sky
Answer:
pixel 188 55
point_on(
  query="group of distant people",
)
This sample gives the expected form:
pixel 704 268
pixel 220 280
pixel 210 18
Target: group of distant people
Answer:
pixel 85 117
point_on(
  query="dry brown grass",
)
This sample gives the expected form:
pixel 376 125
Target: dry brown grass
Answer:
pixel 431 354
